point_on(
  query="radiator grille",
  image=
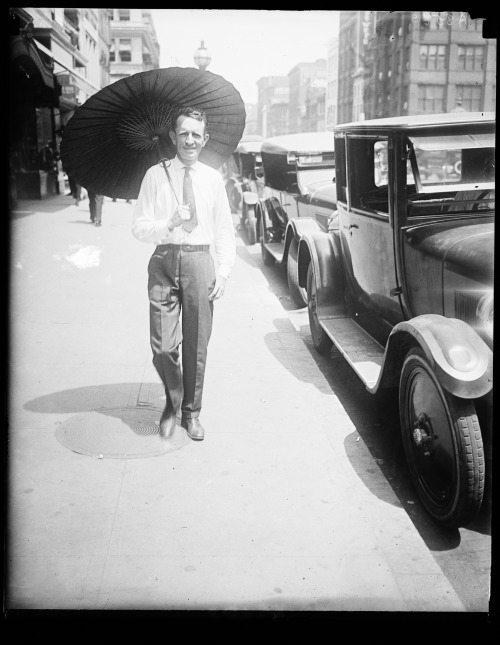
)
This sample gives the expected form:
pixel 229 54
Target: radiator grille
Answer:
pixel 466 306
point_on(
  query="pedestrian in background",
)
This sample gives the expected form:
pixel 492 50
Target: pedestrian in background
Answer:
pixel 192 235
pixel 47 157
pixel 95 205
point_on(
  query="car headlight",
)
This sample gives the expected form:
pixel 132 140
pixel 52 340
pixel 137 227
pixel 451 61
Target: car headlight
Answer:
pixel 484 313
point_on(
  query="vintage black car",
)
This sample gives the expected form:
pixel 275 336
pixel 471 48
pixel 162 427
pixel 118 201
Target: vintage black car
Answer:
pixel 298 196
pixel 402 284
pixel 243 181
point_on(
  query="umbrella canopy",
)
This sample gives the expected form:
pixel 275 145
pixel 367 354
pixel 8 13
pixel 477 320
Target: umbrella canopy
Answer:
pixel 122 130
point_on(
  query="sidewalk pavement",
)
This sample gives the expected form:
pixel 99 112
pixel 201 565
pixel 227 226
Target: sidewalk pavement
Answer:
pixel 267 513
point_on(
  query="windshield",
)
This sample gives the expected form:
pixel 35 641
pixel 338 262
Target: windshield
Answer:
pixel 451 173
pixel 313 175
pixel 455 160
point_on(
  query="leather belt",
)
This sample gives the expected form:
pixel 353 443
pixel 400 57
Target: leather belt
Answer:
pixel 190 248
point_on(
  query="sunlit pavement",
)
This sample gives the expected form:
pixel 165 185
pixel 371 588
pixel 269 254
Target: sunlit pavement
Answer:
pixel 268 513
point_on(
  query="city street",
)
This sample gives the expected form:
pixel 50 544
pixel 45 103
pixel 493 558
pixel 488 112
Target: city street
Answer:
pixel 298 499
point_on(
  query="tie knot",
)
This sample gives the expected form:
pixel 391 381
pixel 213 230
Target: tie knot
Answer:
pixel 187 169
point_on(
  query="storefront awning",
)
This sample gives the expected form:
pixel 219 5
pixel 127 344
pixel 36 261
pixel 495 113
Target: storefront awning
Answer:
pixel 24 52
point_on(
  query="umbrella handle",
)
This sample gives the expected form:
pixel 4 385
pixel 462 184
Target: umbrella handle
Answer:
pixel 162 161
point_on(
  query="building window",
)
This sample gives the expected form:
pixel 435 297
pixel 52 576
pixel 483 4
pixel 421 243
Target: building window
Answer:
pixel 470 96
pixel 470 58
pixel 432 57
pixel 430 98
pixel 112 56
pixel 123 14
pixel 125 50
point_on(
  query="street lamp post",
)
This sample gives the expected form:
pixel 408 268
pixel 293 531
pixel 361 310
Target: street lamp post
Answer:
pixel 202 58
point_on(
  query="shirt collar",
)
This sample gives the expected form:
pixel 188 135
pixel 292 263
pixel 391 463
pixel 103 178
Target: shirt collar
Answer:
pixel 180 165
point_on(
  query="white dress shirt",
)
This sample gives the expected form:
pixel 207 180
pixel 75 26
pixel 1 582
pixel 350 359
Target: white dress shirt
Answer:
pixel 157 202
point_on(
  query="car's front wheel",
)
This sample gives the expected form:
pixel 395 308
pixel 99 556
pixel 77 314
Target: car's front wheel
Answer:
pixel 298 293
pixel 321 341
pixel 443 444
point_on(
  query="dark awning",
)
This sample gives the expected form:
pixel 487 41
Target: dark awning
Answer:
pixel 25 53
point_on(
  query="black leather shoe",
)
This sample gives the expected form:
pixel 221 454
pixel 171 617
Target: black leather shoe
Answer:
pixel 194 429
pixel 167 424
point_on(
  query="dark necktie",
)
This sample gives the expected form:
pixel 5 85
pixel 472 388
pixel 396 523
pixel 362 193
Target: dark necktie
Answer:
pixel 188 200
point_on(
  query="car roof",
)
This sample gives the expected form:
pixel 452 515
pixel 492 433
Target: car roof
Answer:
pixel 420 120
pixel 299 142
pixel 249 146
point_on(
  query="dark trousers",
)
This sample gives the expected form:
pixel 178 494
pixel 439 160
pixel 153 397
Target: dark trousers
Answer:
pixel 95 206
pixel 76 189
pixel 181 313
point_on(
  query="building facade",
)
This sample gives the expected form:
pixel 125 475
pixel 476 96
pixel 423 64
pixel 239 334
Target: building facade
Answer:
pixel 332 71
pixel 251 128
pixel 134 46
pixel 411 62
pixel 58 59
pixel 350 77
pixel 272 106
pixel 307 83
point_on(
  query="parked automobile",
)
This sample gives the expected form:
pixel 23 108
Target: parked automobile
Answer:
pixel 402 284
pixel 299 195
pixel 244 183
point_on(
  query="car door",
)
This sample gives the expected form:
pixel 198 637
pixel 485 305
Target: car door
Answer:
pixel 367 236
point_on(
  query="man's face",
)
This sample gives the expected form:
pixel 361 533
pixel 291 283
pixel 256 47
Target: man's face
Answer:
pixel 189 138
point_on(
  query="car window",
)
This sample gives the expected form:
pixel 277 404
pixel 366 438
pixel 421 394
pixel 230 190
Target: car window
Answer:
pixel 369 174
pixel 340 169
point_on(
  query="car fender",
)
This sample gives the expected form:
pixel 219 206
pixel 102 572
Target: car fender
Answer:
pixel 320 249
pixel 297 228
pixel 459 357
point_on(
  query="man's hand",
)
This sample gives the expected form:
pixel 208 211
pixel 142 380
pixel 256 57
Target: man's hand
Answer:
pixel 218 290
pixel 181 214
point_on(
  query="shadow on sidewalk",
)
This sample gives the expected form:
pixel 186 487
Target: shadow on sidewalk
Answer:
pixel 115 421
pixel 113 396
pixel 376 419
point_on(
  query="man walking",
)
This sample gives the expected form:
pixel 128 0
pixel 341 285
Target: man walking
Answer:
pixel 186 214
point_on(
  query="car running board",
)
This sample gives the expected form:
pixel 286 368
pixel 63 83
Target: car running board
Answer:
pixel 363 353
pixel 276 250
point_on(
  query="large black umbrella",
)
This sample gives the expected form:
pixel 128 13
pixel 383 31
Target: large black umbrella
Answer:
pixel 122 130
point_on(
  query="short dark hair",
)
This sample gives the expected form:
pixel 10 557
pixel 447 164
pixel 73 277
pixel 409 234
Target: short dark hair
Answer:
pixel 191 112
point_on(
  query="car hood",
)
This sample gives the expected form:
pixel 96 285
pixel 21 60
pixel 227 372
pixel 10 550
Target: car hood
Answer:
pixel 464 247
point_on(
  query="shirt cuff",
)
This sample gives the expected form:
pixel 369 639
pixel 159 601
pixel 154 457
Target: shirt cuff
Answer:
pixel 224 271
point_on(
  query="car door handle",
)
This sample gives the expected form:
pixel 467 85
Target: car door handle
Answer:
pixel 351 226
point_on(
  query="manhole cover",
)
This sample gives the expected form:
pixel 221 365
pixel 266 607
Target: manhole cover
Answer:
pixel 119 433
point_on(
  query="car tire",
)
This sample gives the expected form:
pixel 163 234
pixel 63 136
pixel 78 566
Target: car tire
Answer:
pixel 298 293
pixel 443 444
pixel 234 197
pixel 321 341
pixel 267 258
